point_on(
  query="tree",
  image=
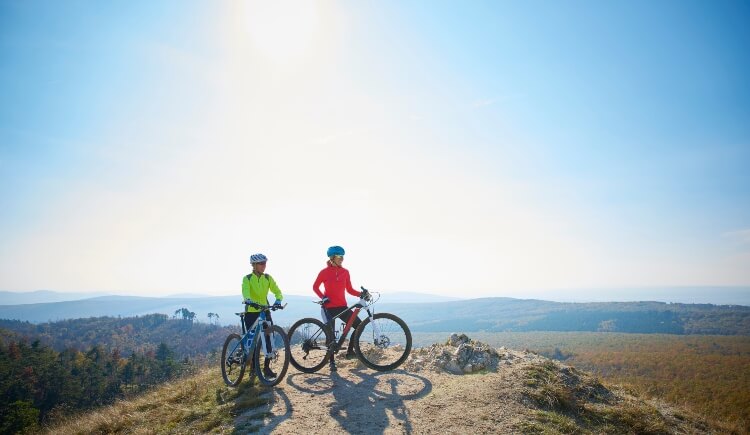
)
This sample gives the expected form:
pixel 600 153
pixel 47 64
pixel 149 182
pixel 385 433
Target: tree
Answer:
pixel 163 352
pixel 18 417
pixel 214 316
pixel 166 365
pixel 186 314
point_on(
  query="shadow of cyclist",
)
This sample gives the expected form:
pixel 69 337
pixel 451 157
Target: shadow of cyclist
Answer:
pixel 376 400
pixel 263 418
pixel 356 407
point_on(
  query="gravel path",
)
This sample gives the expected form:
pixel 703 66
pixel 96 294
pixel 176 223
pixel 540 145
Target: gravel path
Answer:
pixel 358 400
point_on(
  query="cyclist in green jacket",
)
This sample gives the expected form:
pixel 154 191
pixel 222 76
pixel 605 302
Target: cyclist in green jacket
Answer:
pixel 255 288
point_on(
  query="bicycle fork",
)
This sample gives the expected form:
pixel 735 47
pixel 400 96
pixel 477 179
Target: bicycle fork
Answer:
pixel 265 335
pixel 375 328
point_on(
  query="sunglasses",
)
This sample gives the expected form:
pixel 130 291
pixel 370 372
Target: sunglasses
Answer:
pixel 262 263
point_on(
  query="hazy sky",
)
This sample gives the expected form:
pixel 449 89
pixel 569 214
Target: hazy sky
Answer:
pixel 466 148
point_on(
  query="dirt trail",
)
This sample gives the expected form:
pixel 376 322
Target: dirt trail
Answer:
pixel 359 400
pixel 506 392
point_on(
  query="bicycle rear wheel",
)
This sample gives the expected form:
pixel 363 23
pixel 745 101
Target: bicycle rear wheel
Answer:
pixel 307 342
pixel 233 360
pixel 272 368
pixel 383 345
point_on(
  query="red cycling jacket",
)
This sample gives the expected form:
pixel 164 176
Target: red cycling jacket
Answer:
pixel 335 280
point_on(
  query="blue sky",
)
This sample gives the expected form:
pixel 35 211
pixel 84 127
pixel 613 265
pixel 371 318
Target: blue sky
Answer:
pixel 483 148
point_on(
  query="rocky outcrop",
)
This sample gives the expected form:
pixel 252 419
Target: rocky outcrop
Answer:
pixel 462 355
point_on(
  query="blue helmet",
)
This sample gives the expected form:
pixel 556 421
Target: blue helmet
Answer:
pixel 335 250
pixel 258 258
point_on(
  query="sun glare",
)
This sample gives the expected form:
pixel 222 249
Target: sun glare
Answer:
pixel 282 30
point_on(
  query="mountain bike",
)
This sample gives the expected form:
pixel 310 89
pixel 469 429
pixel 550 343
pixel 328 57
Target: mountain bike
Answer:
pixel 382 341
pixel 263 338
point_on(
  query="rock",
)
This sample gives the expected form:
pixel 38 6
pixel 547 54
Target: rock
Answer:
pixel 456 339
pixel 453 367
pixel 459 355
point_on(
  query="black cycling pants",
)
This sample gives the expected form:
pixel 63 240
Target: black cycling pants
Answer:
pixel 335 311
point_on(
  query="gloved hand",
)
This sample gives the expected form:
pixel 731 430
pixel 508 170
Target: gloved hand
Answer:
pixel 325 299
pixel 365 295
pixel 277 303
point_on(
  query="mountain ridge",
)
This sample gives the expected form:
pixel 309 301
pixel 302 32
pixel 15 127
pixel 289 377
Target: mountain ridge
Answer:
pixel 484 314
pixel 520 393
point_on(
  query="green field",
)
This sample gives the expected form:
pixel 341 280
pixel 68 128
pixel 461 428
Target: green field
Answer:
pixel 706 373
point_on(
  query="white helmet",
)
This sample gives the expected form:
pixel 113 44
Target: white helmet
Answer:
pixel 258 258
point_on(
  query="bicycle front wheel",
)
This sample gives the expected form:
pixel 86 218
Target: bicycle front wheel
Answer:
pixel 307 342
pixel 271 365
pixel 233 360
pixel 384 343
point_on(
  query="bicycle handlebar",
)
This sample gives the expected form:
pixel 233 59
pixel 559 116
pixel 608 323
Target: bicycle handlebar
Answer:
pixel 366 295
pixel 263 307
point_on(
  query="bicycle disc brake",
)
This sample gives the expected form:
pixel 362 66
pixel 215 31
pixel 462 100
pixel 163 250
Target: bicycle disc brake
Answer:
pixel 383 342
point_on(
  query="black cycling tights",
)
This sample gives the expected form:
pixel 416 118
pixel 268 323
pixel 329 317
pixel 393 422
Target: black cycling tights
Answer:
pixel 335 311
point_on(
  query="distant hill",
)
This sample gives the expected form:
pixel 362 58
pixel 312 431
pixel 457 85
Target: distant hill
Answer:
pixel 506 314
pixel 128 306
pixel 485 314
pixel 127 334
pixel 42 296
pixel 717 295
pixel 57 308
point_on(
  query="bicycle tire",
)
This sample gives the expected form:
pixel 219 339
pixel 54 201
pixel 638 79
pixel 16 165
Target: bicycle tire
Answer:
pixel 279 363
pixel 233 365
pixel 387 351
pixel 308 354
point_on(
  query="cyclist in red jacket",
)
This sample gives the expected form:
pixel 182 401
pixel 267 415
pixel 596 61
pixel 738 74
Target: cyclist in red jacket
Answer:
pixel 336 280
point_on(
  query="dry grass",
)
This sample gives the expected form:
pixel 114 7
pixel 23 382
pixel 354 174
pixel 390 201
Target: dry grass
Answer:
pixel 573 402
pixel 557 400
pixel 198 404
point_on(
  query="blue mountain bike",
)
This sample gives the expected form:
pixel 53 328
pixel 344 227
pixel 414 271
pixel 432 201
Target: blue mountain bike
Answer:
pixel 265 345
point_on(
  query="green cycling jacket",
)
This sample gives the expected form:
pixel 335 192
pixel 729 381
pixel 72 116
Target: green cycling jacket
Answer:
pixel 256 289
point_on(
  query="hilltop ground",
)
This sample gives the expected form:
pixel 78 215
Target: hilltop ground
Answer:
pixel 459 387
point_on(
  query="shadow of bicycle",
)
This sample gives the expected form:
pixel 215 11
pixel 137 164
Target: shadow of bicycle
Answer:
pixel 262 419
pixel 365 401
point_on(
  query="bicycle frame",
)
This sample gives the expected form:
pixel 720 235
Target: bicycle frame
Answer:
pixel 355 309
pixel 256 327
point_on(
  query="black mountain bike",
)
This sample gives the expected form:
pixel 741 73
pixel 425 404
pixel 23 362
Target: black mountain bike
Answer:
pixel 251 346
pixel 382 341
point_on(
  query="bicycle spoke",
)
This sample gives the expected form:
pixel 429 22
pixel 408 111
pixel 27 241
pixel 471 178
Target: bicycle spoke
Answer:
pixel 383 344
pixel 232 360
pixel 272 366
pixel 307 342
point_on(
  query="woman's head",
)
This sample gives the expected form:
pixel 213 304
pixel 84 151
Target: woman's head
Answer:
pixel 336 255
